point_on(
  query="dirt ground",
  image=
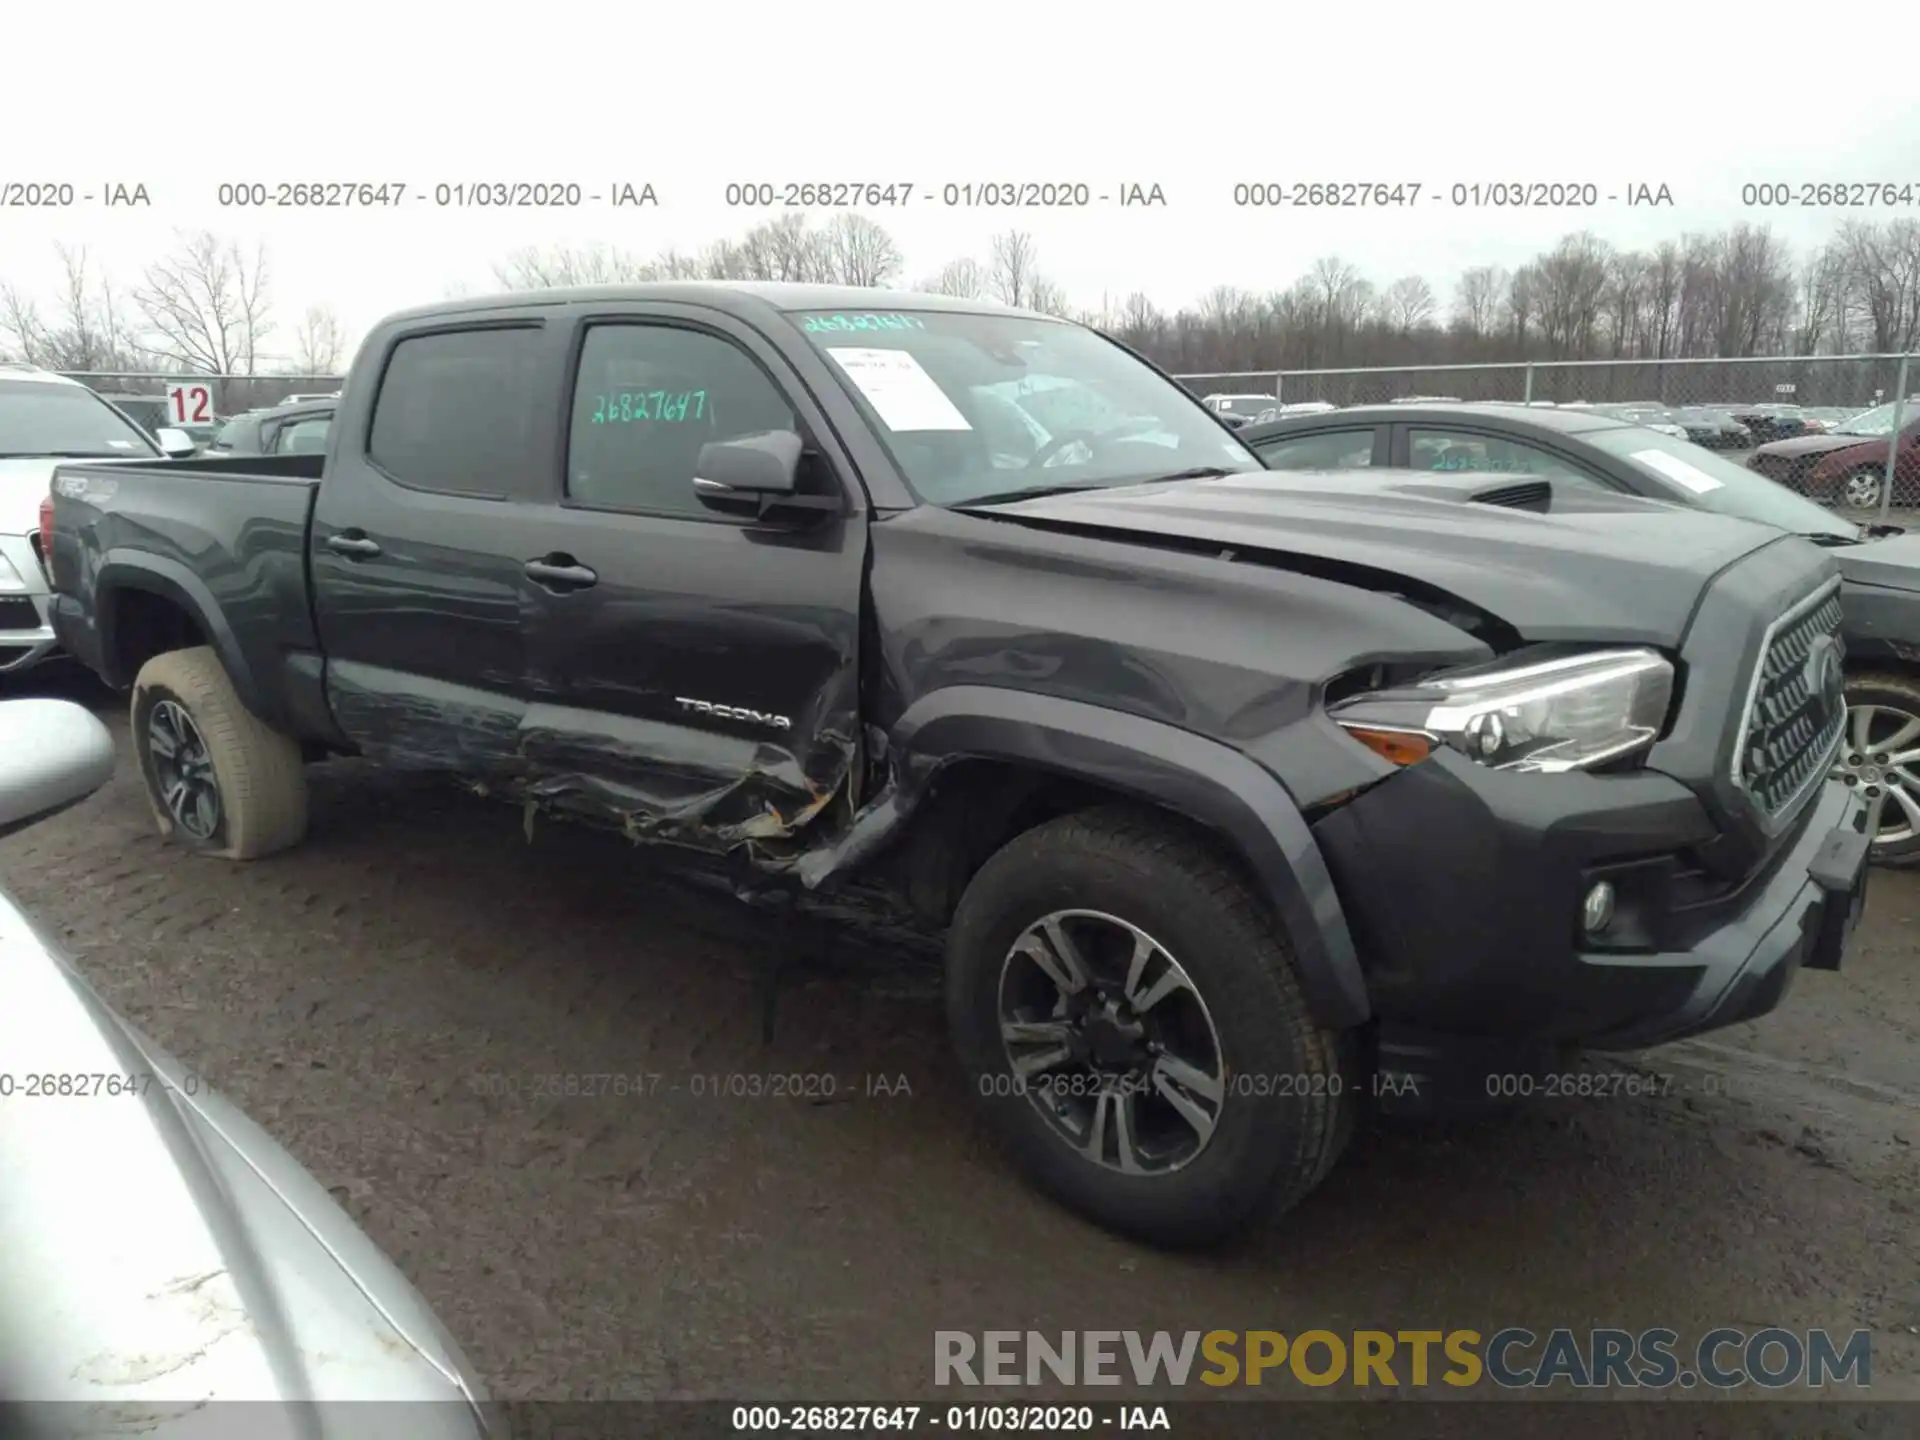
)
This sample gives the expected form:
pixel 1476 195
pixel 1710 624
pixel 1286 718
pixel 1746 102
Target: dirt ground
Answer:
pixel 385 999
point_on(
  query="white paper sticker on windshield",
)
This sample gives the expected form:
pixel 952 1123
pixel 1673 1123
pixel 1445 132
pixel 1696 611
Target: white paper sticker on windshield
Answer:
pixel 1678 470
pixel 903 395
pixel 121 444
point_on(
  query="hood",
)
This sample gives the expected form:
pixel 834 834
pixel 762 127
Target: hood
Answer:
pixel 1891 564
pixel 162 1252
pixel 24 483
pixel 1815 444
pixel 1594 567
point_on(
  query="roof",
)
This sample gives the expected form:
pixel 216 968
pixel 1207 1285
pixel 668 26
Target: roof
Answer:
pixel 735 295
pixel 14 370
pixel 1538 417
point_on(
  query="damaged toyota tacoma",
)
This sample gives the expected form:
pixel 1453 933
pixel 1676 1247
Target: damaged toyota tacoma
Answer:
pixel 1243 800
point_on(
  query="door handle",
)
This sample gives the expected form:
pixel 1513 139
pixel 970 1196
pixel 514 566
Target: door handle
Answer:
pixel 353 544
pixel 561 572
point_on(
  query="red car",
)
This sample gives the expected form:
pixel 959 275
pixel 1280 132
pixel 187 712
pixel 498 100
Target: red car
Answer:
pixel 1847 466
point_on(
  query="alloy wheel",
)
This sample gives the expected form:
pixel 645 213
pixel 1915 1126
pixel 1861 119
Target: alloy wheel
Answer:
pixel 1881 759
pixel 1861 490
pixel 183 770
pixel 1109 1038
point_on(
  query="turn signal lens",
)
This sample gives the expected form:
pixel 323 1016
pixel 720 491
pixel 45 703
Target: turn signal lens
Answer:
pixel 1396 747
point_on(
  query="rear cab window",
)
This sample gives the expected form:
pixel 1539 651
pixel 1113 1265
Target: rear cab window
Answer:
pixel 455 410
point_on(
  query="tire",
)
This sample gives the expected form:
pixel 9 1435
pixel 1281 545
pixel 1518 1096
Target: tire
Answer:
pixel 1856 485
pixel 1895 700
pixel 1289 1090
pixel 258 779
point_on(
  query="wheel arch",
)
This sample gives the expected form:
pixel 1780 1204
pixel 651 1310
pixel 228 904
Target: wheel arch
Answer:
pixel 1054 742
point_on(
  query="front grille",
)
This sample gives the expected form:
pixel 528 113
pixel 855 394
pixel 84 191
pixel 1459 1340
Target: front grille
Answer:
pixel 1797 706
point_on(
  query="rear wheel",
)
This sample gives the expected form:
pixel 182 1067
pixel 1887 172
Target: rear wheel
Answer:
pixel 1880 758
pixel 219 779
pixel 1133 1028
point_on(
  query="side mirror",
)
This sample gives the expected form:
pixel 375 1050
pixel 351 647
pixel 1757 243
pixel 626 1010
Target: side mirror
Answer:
pixel 756 476
pixel 53 754
pixel 174 444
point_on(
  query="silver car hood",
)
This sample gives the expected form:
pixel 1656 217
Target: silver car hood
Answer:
pixel 161 1256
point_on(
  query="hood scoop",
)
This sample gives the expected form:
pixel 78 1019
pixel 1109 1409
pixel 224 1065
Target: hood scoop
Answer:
pixel 1525 495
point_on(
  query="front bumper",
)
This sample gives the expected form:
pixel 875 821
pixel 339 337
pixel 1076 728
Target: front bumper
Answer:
pixel 26 627
pixel 1463 888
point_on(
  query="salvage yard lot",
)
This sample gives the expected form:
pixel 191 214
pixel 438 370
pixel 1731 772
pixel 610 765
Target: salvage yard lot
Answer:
pixel 375 997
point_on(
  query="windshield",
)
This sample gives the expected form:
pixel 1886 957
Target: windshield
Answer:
pixel 39 418
pixel 1714 483
pixel 972 405
pixel 1879 421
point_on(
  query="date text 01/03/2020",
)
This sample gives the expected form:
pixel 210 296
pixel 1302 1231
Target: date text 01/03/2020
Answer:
pixel 828 194
pixel 1460 194
pixel 925 1419
pixel 441 195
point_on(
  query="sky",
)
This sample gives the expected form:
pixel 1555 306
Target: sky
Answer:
pixel 1191 99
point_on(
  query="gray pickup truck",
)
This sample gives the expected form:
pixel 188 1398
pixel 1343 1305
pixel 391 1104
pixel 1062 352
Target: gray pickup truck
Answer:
pixel 1243 799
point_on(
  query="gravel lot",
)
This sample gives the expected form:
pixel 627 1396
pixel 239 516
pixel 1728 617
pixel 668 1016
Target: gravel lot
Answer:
pixel 360 996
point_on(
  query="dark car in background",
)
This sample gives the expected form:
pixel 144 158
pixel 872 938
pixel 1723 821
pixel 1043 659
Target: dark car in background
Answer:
pixel 1588 450
pixel 1847 466
pixel 1776 422
pixel 280 430
pixel 1713 428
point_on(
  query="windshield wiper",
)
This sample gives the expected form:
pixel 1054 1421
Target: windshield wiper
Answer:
pixel 59 454
pixel 1828 538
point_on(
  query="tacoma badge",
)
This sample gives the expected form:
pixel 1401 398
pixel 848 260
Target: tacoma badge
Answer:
pixel 733 712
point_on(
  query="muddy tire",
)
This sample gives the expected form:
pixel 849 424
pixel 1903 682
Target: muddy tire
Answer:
pixel 1133 1029
pixel 218 779
pixel 1883 723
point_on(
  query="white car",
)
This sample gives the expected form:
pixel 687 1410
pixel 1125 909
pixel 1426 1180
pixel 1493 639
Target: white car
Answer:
pixel 45 419
pixel 162 1253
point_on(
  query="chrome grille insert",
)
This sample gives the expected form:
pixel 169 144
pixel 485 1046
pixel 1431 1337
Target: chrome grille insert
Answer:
pixel 1796 707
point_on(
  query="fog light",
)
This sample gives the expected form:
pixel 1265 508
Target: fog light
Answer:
pixel 1596 911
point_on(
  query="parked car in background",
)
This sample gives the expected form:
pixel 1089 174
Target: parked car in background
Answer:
pixel 1775 422
pixel 765 588
pixel 305 399
pixel 163 1252
pixel 46 418
pixel 1589 450
pixel 1651 417
pixel 1713 429
pixel 282 430
pixel 1239 409
pixel 149 412
pixel 1847 466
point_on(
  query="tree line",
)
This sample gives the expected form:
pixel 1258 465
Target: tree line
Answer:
pixel 206 306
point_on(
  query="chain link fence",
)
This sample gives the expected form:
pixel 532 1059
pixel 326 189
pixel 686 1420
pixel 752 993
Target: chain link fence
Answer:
pixel 1819 424
pixel 232 394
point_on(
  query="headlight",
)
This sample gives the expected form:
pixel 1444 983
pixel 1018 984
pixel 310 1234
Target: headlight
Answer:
pixel 10 580
pixel 1564 713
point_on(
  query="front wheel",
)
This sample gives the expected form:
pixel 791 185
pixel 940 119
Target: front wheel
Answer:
pixel 219 779
pixel 1134 1030
pixel 1880 758
pixel 1860 489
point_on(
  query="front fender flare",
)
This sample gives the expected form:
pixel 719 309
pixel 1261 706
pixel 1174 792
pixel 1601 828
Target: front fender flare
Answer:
pixel 1194 776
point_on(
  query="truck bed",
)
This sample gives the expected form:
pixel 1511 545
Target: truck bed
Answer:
pixel 226 539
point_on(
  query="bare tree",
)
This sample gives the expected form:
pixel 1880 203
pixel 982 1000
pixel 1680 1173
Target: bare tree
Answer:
pixel 965 279
pixel 87 329
pixel 207 306
pixel 1408 303
pixel 1014 267
pixel 859 252
pixel 320 345
pixel 1476 306
pixel 562 265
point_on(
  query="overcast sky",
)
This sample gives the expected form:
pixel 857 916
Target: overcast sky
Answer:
pixel 1193 98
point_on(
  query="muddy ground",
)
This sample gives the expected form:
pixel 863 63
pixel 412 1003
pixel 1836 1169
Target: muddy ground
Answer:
pixel 376 998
